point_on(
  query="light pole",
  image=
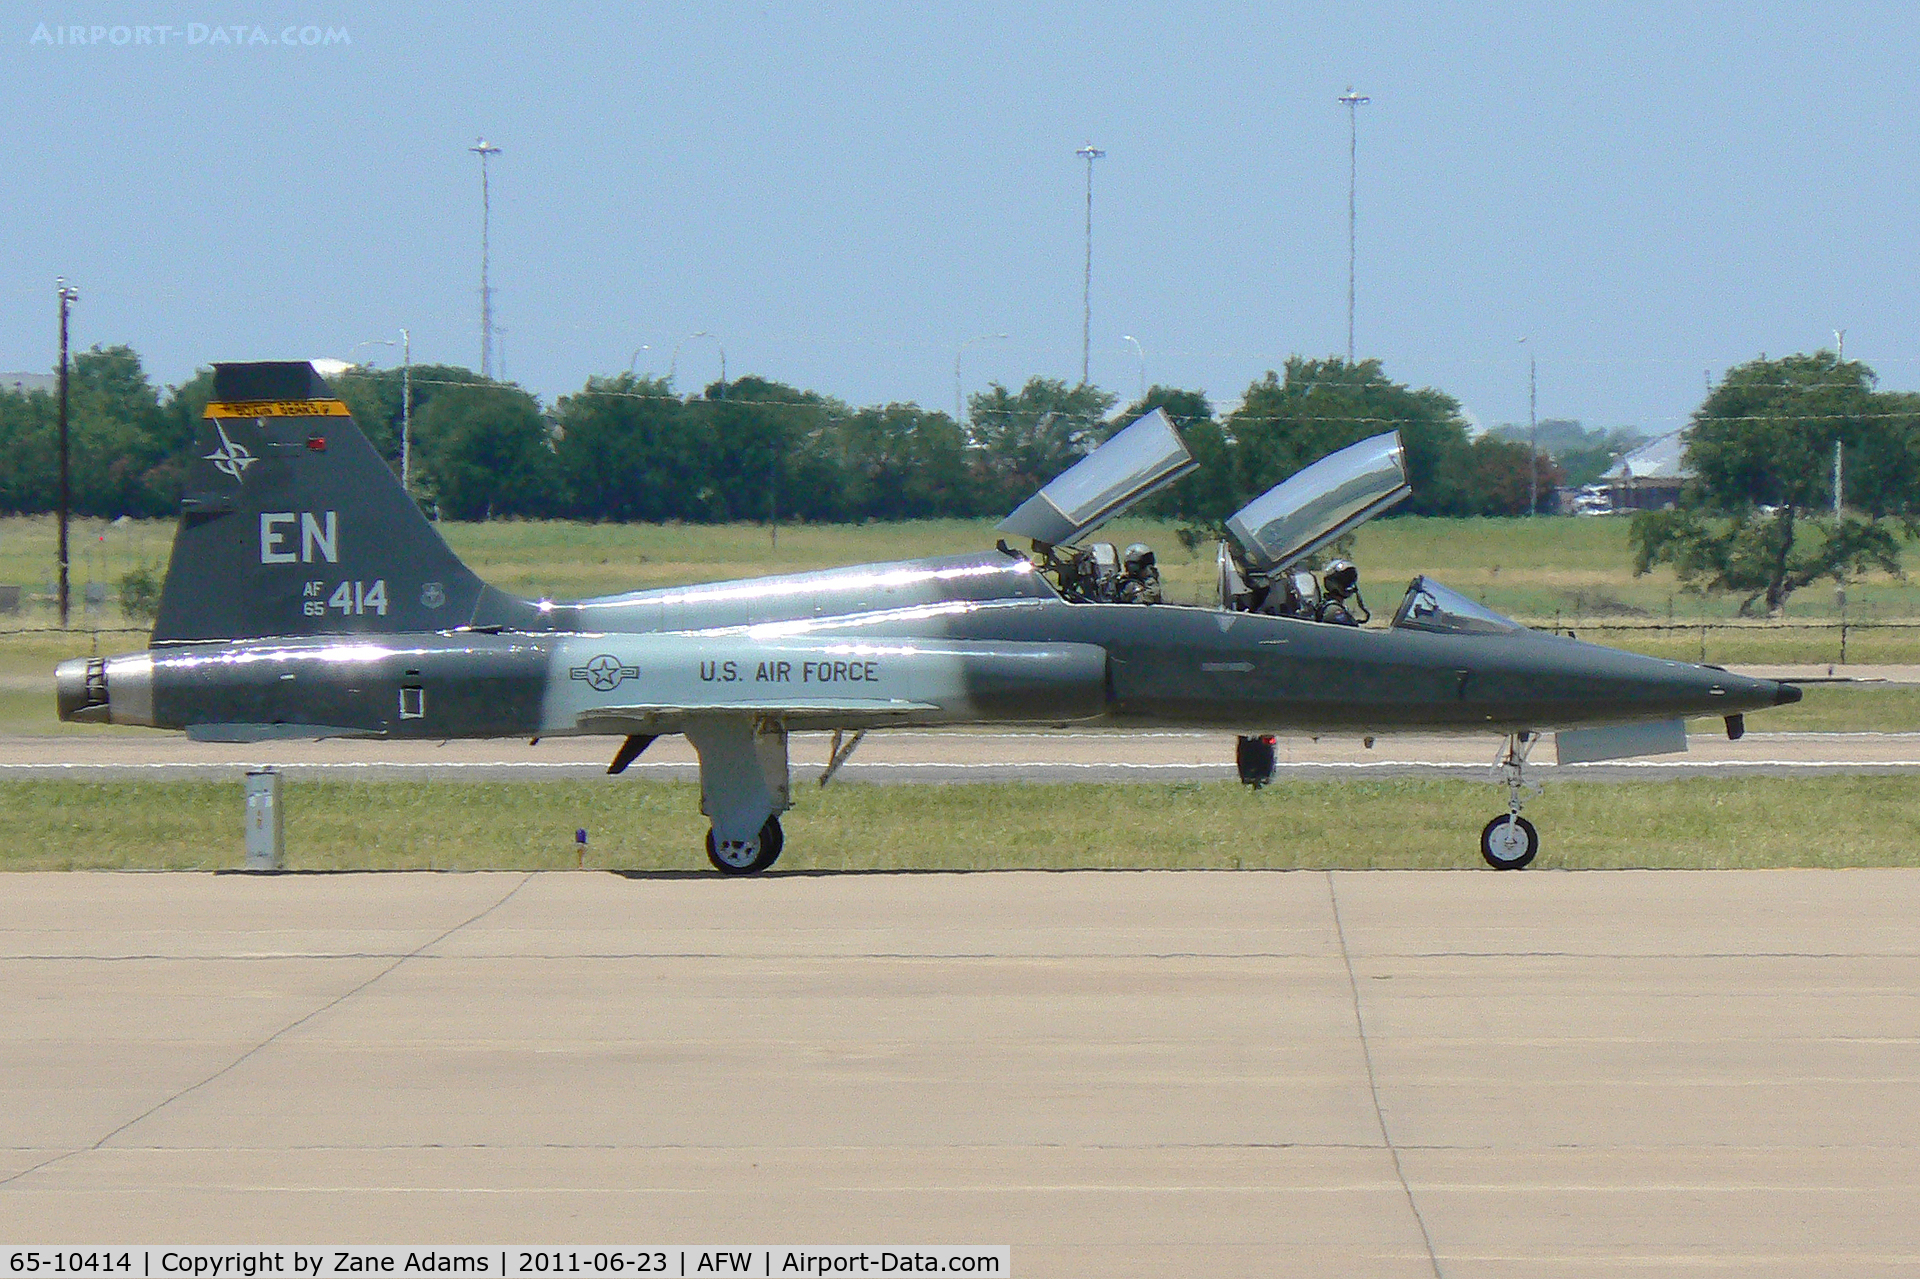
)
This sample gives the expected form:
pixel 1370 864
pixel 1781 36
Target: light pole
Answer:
pixel 959 408
pixel 1089 153
pixel 68 297
pixel 484 149
pixel 1352 101
pixel 1533 431
pixel 635 358
pixel 406 401
pixel 406 411
pixel 673 364
pixel 1140 351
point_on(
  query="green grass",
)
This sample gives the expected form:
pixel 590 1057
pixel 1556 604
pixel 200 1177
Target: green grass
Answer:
pixel 33 656
pixel 655 826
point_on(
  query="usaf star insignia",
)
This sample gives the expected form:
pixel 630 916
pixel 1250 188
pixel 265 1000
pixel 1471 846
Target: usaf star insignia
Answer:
pixel 603 672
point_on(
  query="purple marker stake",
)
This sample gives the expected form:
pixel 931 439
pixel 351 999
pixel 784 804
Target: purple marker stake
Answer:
pixel 580 848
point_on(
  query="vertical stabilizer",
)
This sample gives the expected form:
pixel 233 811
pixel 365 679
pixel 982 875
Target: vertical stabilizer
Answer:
pixel 292 525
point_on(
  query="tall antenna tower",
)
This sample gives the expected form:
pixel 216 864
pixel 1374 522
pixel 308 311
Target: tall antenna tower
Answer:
pixel 1089 153
pixel 483 149
pixel 1353 102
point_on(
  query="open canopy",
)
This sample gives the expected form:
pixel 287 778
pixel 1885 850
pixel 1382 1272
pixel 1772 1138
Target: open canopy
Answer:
pixel 1142 459
pixel 1313 506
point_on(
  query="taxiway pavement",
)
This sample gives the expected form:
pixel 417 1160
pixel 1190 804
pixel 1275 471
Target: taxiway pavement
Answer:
pixel 908 755
pixel 1366 1073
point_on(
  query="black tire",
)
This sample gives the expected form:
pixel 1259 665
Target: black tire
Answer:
pixel 1255 759
pixel 772 840
pixel 1509 851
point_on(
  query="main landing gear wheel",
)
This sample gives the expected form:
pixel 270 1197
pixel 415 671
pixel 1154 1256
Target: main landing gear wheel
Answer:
pixel 1509 842
pixel 751 857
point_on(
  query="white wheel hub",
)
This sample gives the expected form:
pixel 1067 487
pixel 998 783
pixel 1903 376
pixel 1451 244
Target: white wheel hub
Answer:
pixel 1507 841
pixel 739 853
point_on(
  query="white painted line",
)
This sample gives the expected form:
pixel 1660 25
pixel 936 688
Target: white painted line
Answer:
pixel 1224 768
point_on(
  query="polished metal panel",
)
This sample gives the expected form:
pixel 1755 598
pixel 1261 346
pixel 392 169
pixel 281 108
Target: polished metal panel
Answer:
pixel 1620 741
pixel 1145 457
pixel 1310 508
pixel 802 597
pixel 130 689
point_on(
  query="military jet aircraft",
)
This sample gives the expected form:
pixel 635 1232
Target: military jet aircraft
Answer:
pixel 308 597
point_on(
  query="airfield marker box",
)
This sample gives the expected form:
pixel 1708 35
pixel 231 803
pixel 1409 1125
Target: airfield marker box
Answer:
pixel 266 823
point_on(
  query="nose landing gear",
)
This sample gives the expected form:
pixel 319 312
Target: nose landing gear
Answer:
pixel 1254 757
pixel 1509 841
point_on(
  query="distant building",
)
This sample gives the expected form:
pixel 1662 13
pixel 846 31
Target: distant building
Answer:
pixel 1649 478
pixel 23 383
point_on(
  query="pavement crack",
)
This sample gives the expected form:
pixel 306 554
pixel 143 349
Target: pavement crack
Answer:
pixel 264 1044
pixel 1373 1083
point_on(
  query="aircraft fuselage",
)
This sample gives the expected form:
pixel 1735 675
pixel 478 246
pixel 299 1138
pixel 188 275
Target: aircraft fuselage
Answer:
pixel 1020 657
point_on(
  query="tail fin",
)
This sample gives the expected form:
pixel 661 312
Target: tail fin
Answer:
pixel 292 525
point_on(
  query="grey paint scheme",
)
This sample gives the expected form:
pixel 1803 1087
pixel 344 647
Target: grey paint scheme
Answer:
pixel 241 651
pixel 1017 659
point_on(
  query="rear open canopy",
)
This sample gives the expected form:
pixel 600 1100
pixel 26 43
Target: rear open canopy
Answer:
pixel 1136 462
pixel 1310 508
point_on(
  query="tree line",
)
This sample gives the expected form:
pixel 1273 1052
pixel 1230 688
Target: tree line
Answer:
pixel 626 448
pixel 1761 516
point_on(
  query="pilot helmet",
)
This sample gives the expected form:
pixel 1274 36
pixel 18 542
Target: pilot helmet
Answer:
pixel 1138 558
pixel 1341 578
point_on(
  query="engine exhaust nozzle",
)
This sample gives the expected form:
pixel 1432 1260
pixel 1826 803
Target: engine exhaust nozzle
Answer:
pixel 105 690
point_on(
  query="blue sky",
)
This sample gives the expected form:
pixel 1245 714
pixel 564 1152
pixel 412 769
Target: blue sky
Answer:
pixel 844 193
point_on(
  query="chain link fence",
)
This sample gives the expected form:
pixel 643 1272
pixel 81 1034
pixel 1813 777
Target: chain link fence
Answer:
pixel 1834 641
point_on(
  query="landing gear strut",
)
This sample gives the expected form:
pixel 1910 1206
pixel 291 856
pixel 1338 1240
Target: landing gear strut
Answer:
pixel 744 787
pixel 1509 841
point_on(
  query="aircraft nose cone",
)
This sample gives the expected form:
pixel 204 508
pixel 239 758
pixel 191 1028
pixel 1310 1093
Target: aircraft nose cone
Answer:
pixel 1786 695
